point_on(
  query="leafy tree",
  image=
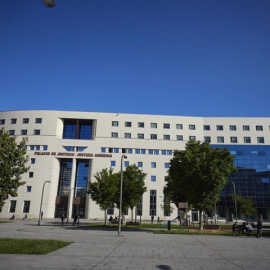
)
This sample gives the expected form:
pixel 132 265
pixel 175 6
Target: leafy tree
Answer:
pixel 103 191
pixel 245 205
pixel 198 174
pixel 133 187
pixel 13 160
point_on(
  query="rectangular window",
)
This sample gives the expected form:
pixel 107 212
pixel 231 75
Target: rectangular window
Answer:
pixel 36 131
pixel 140 164
pixel 192 127
pixel 246 128
pixel 129 150
pixel 113 163
pixel 143 151
pixel 12 132
pixel 38 147
pixel 153 125
pixel 137 151
pixel 116 150
pixel 2 121
pixel 220 139
pixel 127 124
pixel 166 165
pixel 24 132
pixel 163 152
pixel 233 139
pixel 153 136
pixel 232 127
pixel 169 152
pixel 150 152
pixel 103 149
pixel 29 188
pixel 128 135
pixel 126 163
pixel 153 202
pixel 31 174
pixel 33 161
pixel 166 126
pixel 78 129
pixel 110 210
pixel 13 120
pixel 259 128
pixel 156 152
pixel 32 147
pixel 153 178
pixel 260 139
pixel 179 126
pixel 45 147
pixel 140 136
pixel 153 165
pixel 166 137
pixel 12 206
pixel 38 120
pixel 247 140
pixel 26 206
pixel 114 135
pixel 114 123
pixel 192 138
pixel 25 120
pixel 207 139
pixel 206 127
pixel 219 127
pixel 141 124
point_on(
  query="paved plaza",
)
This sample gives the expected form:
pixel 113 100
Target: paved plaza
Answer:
pixel 103 249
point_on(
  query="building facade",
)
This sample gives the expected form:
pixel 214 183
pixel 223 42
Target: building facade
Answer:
pixel 67 148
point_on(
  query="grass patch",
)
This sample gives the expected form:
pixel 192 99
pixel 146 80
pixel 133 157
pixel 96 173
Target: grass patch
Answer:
pixel 4 221
pixel 30 246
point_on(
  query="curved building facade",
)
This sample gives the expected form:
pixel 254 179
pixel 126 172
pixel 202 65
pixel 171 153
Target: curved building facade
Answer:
pixel 67 148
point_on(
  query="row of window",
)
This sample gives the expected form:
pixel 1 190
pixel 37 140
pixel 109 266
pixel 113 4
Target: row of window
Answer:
pixel 234 139
pixel 140 164
pixel 24 121
pixel 152 136
pixel 24 132
pixel 37 147
pixel 190 127
pixel 136 151
pixel 25 207
pixel 152 125
pixel 233 127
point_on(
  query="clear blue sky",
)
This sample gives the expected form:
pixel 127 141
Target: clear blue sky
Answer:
pixel 181 57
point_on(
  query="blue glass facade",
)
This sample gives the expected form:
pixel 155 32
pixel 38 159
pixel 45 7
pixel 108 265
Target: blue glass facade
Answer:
pixel 82 177
pixel 251 178
pixel 77 129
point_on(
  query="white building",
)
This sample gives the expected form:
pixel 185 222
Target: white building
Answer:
pixel 67 148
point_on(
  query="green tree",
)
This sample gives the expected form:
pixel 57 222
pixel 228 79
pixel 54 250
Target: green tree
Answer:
pixel 198 174
pixel 13 161
pixel 245 205
pixel 133 187
pixel 103 191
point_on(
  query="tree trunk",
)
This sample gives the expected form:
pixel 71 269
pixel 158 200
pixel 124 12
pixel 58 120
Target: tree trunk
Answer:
pixel 105 217
pixel 200 218
pixel 132 214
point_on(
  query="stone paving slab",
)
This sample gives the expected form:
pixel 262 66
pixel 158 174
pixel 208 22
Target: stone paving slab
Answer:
pixel 105 250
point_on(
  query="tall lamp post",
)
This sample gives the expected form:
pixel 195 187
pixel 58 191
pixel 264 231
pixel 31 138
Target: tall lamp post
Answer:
pixel 235 204
pixel 49 3
pixel 120 203
pixel 42 201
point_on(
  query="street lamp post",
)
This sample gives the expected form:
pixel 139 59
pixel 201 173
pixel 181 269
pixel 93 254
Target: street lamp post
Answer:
pixel 235 204
pixel 120 203
pixel 41 201
pixel 49 3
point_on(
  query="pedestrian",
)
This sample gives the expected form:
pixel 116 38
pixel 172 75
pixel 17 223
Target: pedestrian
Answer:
pixel 152 218
pixel 110 220
pixel 235 229
pixel 62 218
pixel 259 228
pixel 74 219
pixel 41 215
pixel 78 219
pixel 158 220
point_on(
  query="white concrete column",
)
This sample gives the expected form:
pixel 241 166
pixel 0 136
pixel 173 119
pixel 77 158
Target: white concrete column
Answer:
pixel 72 188
pixel 88 200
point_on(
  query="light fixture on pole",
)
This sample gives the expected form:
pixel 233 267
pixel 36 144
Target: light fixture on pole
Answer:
pixel 235 204
pixel 41 202
pixel 49 3
pixel 120 203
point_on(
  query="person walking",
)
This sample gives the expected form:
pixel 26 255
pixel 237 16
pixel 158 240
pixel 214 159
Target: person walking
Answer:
pixel 74 219
pixel 259 228
pixel 62 218
pixel 152 218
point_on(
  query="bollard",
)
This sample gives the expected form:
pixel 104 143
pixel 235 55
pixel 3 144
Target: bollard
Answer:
pixel 169 225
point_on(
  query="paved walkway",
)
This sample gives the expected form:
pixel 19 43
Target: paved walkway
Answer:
pixel 103 250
